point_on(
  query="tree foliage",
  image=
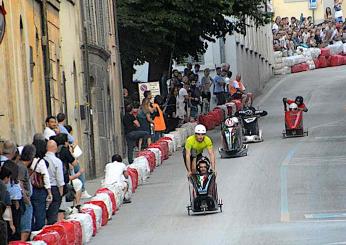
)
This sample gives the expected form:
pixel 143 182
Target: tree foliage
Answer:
pixel 149 28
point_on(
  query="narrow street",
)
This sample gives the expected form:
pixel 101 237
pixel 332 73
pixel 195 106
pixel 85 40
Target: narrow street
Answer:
pixel 286 191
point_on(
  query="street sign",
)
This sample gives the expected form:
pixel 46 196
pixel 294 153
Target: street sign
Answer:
pixel 312 4
pixel 154 87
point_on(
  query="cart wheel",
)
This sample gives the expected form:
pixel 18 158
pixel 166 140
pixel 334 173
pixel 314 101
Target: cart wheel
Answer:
pixel 220 205
pixel 204 211
pixel 188 210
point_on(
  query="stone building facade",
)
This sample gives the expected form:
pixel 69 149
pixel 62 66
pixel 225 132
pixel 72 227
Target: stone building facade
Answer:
pixel 62 56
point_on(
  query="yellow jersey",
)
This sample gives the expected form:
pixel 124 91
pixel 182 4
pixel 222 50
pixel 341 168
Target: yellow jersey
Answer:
pixel 192 143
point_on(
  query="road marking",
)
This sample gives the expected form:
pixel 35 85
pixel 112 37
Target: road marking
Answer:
pixel 325 216
pixel 330 137
pixel 285 215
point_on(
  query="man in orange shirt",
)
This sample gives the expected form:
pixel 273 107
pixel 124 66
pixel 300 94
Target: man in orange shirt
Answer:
pixel 237 91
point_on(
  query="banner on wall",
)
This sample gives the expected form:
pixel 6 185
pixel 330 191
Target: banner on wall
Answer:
pixel 154 87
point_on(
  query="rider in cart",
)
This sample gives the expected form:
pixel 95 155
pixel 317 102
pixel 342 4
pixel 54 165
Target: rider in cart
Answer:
pixel 299 101
pixel 194 147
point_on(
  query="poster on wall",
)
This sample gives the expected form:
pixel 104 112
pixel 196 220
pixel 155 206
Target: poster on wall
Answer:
pixel 2 23
pixel 154 87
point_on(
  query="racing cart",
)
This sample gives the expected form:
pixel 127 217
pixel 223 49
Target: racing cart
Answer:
pixel 203 194
pixel 294 124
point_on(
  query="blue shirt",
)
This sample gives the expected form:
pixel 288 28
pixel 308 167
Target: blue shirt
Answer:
pixel 64 131
pixel 218 84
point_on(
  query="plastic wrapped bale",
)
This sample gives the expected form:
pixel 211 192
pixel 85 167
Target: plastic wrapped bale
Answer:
pixel 87 225
pixel 60 229
pixel 287 70
pixel 164 147
pixel 178 138
pixel 142 164
pixel 51 237
pixel 336 48
pixel 278 66
pixel 171 136
pixel 78 232
pixel 134 178
pixel 69 230
pixel 111 196
pixel 104 197
pixel 222 107
pixel 325 52
pixel 170 144
pixel 92 214
pixel 98 213
pixel 277 54
pixel 279 72
pixel 150 156
pixel 183 133
pixel 344 48
pixel 278 60
pixel 158 155
pixel 103 205
pixel 41 243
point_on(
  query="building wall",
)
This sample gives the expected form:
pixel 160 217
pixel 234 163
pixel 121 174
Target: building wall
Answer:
pixel 21 63
pixel 105 82
pixel 291 8
pixel 72 73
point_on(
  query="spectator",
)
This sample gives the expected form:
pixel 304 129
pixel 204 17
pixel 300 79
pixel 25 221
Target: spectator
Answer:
pixel 27 155
pixel 69 163
pixel 237 90
pixel 159 120
pixel 196 75
pixel 182 100
pixel 16 196
pixel 195 97
pixel 5 175
pixel 3 224
pixel 127 98
pixel 339 18
pixel 41 196
pixel 219 84
pixel 119 175
pixel 170 111
pixel 85 194
pixel 328 16
pixel 61 117
pixel 8 151
pixel 206 83
pixel 133 132
pixel 51 127
pixel 56 177
pixel 145 118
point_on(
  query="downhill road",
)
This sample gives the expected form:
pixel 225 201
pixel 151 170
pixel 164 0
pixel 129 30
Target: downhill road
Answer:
pixel 286 191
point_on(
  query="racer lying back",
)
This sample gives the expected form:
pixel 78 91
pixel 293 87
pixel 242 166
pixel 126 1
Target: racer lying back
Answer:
pixel 194 147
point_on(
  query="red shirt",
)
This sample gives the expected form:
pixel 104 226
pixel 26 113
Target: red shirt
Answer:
pixel 301 106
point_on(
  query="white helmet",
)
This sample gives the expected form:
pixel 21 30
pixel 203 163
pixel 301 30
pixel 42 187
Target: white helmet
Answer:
pixel 293 106
pixel 230 122
pixel 200 129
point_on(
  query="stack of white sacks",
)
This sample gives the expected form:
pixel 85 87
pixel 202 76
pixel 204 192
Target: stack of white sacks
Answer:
pixel 336 48
pixel 302 55
pixel 279 67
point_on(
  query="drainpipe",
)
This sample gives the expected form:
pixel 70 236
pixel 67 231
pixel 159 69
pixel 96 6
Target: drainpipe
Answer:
pixel 89 124
pixel 119 70
pixel 45 52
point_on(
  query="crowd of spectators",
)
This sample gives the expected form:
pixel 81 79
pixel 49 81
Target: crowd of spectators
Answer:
pixel 190 94
pixel 35 178
pixel 289 34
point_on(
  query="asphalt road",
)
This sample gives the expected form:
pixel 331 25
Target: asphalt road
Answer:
pixel 286 191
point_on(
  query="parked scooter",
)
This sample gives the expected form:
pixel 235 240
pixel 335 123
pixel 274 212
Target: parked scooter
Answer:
pixel 249 117
pixel 232 139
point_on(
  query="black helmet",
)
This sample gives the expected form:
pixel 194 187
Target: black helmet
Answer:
pixel 203 160
pixel 300 99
